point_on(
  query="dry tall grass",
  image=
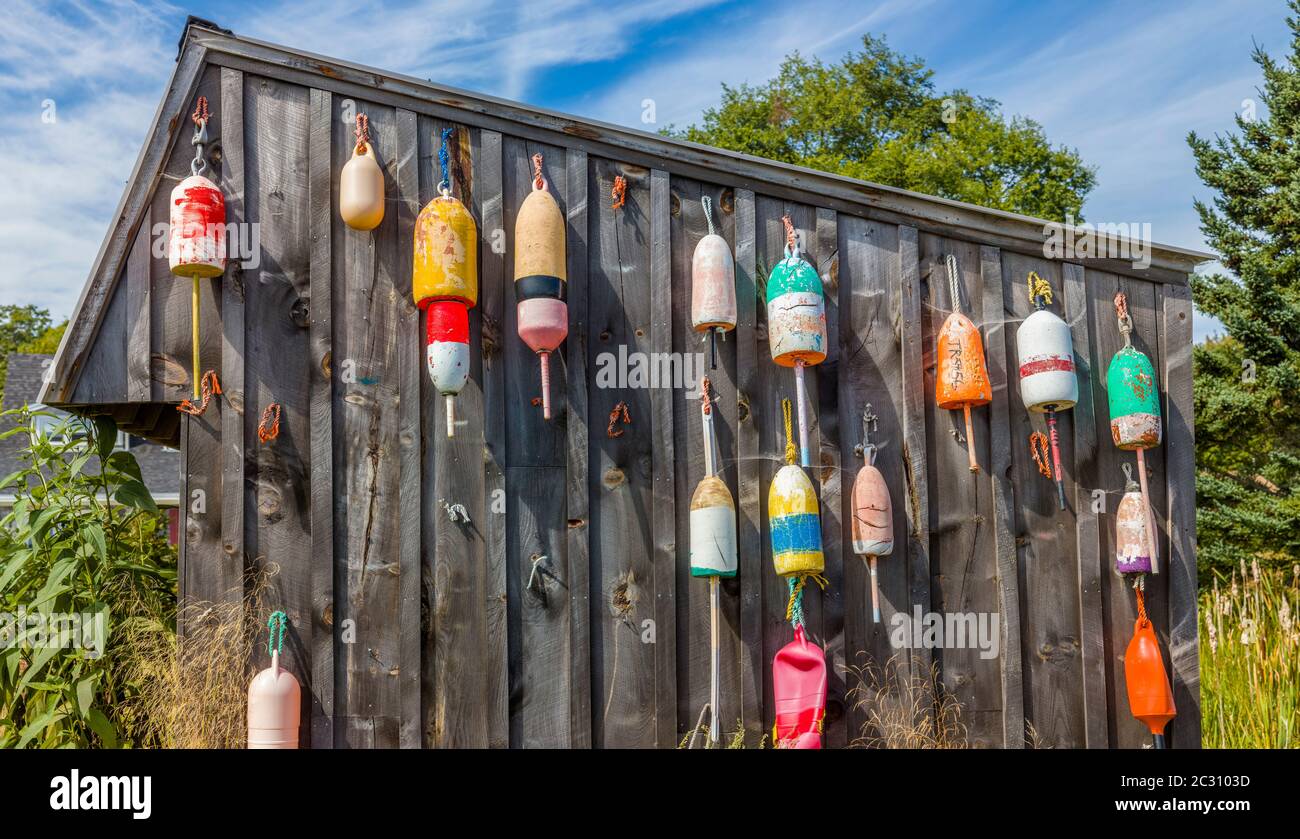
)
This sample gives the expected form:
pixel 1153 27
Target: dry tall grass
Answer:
pixel 1250 660
pixel 903 711
pixel 193 693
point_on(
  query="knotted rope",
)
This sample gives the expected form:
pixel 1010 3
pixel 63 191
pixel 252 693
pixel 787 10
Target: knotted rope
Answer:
pixel 794 606
pixel 444 162
pixel 211 386
pixel 1125 321
pixel 268 427
pixel 954 288
pixel 538 181
pixel 1038 448
pixel 790 451
pixel 791 236
pixel 362 134
pixel 1139 588
pixel 620 408
pixel 274 644
pixel 1038 287
pixel 618 193
pixel 707 203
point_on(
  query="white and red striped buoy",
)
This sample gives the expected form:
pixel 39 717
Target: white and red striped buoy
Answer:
pixel 1045 352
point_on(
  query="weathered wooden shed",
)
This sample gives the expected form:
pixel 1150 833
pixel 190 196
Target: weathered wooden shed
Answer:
pixel 562 612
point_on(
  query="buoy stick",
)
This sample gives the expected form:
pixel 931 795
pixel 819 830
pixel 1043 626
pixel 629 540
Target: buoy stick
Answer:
pixel 1056 456
pixel 713 349
pixel 546 384
pixel 804 458
pixel 194 305
pixel 875 592
pixel 1158 741
pixel 1151 520
pixel 451 415
pixel 715 661
pixel 970 440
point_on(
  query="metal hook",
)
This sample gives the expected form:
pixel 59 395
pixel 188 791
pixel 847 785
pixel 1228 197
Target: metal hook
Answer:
pixel 867 449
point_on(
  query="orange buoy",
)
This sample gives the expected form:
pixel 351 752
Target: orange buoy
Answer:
pixel 873 512
pixel 361 183
pixel 713 286
pixel 1150 697
pixel 274 698
pixel 962 381
pixel 541 276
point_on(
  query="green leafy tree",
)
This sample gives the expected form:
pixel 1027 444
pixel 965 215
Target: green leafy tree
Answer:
pixel 83 538
pixel 876 115
pixel 26 329
pixel 1247 381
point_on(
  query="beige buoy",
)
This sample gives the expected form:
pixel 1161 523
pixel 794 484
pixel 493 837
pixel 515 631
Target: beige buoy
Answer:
pixel 541 276
pixel 274 699
pixel 361 184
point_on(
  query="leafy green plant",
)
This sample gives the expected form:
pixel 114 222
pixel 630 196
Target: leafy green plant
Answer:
pixel 84 542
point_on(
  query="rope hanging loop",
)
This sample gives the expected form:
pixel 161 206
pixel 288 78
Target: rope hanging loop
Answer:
pixel 211 386
pixel 268 427
pixel 1038 448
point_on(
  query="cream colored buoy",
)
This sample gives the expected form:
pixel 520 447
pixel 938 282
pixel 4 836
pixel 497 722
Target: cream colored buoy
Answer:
pixel 541 276
pixel 361 183
pixel 713 286
pixel 274 698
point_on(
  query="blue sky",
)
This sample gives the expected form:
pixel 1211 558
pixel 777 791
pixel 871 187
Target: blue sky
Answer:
pixel 1121 82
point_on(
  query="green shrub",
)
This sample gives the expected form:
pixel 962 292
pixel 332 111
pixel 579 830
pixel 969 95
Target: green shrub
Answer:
pixel 84 538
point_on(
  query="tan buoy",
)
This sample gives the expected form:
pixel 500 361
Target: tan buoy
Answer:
pixel 873 512
pixel 541 276
pixel 361 183
pixel 274 698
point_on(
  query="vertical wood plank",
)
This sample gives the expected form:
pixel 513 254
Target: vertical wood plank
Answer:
pixel 411 375
pixel 277 526
pixel 748 471
pixel 576 476
pixel 321 419
pixel 488 192
pixel 996 321
pixel 1045 540
pixel 368 312
pixel 232 339
pixel 137 286
pixel 662 494
pixel 917 500
pixel 1088 542
pixel 1184 660
pixel 829 477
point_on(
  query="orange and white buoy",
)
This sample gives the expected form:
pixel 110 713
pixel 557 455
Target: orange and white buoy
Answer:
pixel 1135 544
pixel 444 282
pixel 361 183
pixel 713 285
pixel 1046 357
pixel 962 381
pixel 873 512
pixel 274 698
pixel 541 276
pixel 196 242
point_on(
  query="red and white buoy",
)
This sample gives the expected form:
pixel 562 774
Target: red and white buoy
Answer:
pixel 713 286
pixel 1046 357
pixel 873 512
pixel 274 698
pixel 196 243
pixel 541 276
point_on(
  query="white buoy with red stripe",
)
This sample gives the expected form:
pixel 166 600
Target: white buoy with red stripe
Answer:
pixel 196 242
pixel 1045 352
pixel 713 285
pixel 274 698
pixel 444 282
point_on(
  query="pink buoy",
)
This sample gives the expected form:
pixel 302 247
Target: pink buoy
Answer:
pixel 799 693
pixel 274 699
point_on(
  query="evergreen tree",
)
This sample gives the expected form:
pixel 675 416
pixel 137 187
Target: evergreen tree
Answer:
pixel 875 115
pixel 1247 382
